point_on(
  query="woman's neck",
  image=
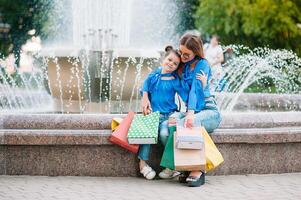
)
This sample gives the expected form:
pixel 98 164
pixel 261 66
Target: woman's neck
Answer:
pixel 192 63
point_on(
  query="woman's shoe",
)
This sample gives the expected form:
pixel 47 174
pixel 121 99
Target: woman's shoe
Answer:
pixel 168 173
pixel 183 177
pixel 148 172
pixel 194 181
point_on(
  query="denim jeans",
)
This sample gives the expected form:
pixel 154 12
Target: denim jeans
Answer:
pixel 208 118
pixel 144 149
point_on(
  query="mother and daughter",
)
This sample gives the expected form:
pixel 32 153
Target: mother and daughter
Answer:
pixel 187 73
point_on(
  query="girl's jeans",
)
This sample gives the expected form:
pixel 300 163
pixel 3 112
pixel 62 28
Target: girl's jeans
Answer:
pixel 144 149
pixel 209 118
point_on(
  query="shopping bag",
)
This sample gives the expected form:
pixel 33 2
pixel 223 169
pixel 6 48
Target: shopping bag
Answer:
pixel 144 129
pixel 119 136
pixel 115 123
pixel 213 157
pixel 189 138
pixel 189 159
pixel 167 159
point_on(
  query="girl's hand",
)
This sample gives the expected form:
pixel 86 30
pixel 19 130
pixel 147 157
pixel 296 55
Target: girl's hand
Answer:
pixel 146 106
pixel 203 78
pixel 189 119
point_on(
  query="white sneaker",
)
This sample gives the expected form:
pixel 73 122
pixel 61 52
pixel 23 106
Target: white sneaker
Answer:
pixel 168 173
pixel 148 172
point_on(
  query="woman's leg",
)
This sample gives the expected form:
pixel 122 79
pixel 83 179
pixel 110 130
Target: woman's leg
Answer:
pixel 210 119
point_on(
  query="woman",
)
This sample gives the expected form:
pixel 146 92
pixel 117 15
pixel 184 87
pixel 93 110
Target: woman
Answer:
pixel 201 105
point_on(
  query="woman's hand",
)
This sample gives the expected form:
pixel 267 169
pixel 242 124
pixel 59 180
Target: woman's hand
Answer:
pixel 189 119
pixel 172 121
pixel 146 105
pixel 203 78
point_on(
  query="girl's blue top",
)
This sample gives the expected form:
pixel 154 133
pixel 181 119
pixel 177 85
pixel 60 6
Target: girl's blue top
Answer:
pixel 162 92
pixel 197 95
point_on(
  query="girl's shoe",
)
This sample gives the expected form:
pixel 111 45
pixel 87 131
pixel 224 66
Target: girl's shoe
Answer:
pixel 183 177
pixel 148 172
pixel 194 181
pixel 168 173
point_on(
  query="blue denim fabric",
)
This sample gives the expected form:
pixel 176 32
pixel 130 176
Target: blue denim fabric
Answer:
pixel 144 149
pixel 210 119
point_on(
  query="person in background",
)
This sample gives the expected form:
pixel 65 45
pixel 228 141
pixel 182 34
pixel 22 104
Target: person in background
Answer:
pixel 214 55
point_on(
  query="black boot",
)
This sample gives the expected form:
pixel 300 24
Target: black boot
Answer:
pixel 194 181
pixel 183 176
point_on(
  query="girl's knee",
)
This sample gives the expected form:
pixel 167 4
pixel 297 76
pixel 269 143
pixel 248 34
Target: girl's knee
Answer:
pixel 163 136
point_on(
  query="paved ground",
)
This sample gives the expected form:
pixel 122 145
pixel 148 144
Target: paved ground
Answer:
pixel 283 186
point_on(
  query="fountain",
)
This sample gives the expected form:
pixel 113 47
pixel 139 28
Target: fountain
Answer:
pixel 80 84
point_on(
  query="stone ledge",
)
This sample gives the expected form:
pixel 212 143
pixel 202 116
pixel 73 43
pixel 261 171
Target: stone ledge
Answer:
pixel 100 137
pixel 54 137
pixel 103 121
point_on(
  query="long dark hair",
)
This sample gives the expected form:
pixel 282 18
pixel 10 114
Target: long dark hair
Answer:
pixel 193 43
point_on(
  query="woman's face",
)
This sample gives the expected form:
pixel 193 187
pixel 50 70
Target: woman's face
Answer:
pixel 186 54
pixel 171 62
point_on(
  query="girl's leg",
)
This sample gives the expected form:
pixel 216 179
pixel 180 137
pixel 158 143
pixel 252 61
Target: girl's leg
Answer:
pixel 143 154
pixel 163 132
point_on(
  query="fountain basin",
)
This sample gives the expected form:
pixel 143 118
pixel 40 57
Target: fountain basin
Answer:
pixel 80 79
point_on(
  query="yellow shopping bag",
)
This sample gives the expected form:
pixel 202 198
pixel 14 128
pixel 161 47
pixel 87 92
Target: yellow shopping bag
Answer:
pixel 115 123
pixel 213 157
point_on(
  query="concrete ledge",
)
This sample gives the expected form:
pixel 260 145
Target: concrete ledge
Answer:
pixel 100 137
pixel 89 153
pixel 102 121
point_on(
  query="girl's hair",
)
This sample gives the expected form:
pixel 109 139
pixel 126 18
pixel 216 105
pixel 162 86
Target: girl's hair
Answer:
pixel 193 43
pixel 169 49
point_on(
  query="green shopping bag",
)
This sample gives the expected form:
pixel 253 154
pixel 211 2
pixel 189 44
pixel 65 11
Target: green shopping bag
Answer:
pixel 167 159
pixel 144 129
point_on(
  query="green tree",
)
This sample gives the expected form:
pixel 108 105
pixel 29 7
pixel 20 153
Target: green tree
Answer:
pixel 186 8
pixel 22 16
pixel 275 23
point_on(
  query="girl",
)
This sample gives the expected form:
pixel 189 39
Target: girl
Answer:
pixel 159 91
pixel 201 105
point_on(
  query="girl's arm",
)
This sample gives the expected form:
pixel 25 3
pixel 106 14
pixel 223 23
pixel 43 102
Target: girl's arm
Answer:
pixel 145 102
pixel 203 78
pixel 146 105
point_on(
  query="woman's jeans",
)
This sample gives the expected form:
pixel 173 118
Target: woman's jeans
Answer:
pixel 210 118
pixel 144 149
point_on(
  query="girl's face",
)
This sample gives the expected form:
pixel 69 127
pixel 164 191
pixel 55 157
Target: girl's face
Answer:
pixel 171 62
pixel 186 54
